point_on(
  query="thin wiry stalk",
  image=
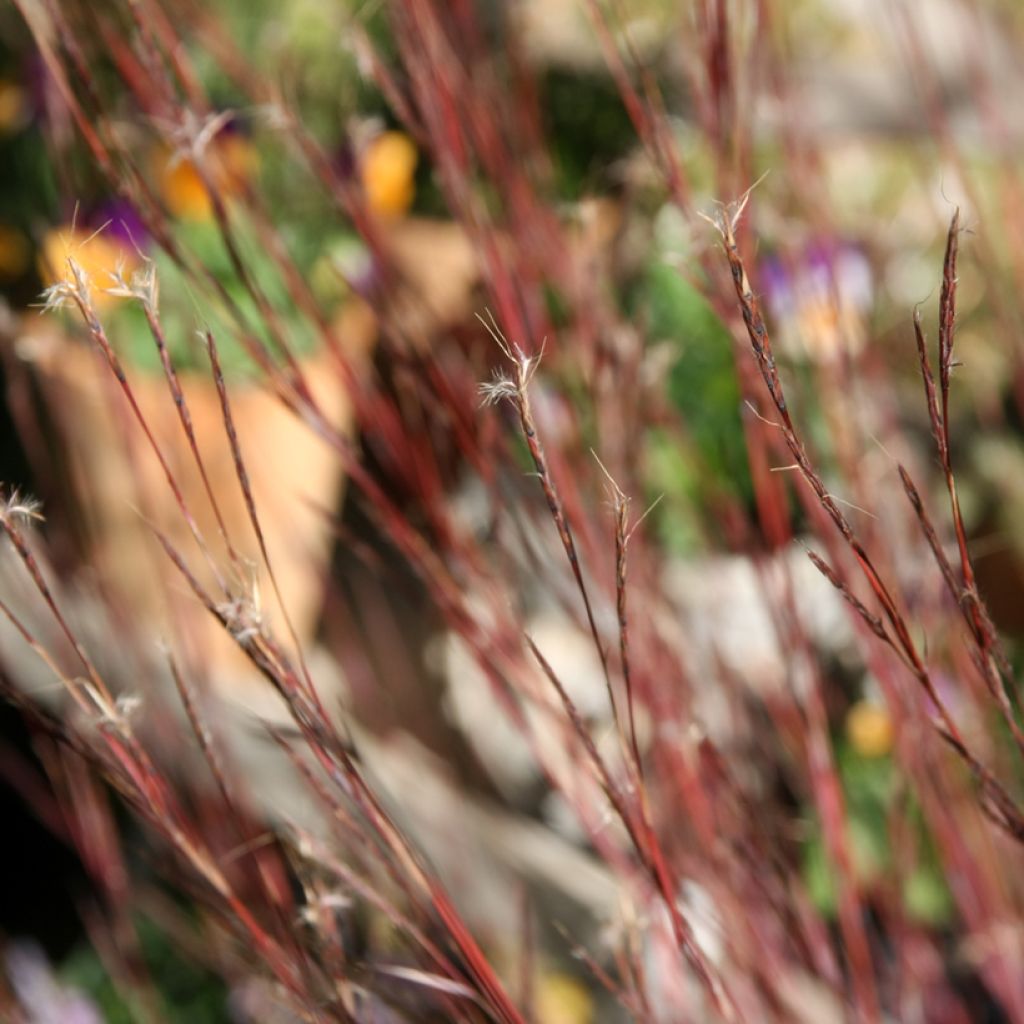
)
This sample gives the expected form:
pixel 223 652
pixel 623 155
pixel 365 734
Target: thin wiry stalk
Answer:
pixel 621 544
pixel 340 767
pixel 725 221
pixel 97 689
pixel 140 778
pixel 277 898
pixel 126 178
pixel 649 127
pixel 990 657
pixel 147 294
pixel 75 289
pixel 517 391
pixel 645 842
pixel 623 534
pixel 268 314
pixel 250 504
pixel 79 693
pixel 632 1002
pixel 321 857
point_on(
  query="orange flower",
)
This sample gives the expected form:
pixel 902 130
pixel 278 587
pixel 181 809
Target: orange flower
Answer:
pixel 388 170
pixel 869 729
pixel 183 190
pixel 232 162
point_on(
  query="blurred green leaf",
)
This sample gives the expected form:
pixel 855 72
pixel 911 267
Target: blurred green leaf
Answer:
pixel 184 310
pixel 702 383
pixel 926 897
pixel 868 788
pixel 188 993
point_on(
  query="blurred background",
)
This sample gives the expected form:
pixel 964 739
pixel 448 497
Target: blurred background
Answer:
pixel 352 198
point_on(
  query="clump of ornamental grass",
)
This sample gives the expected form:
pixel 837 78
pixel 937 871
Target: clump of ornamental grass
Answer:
pixel 762 866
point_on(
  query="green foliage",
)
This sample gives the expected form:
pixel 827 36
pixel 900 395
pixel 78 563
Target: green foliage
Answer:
pixel 869 787
pixel 183 312
pixel 671 475
pixel 187 993
pixel 702 387
pixel 702 384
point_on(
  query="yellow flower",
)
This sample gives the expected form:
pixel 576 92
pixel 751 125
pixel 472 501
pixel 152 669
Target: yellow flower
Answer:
pixel 869 729
pixel 97 253
pixel 388 171
pixel 562 1000
pixel 232 162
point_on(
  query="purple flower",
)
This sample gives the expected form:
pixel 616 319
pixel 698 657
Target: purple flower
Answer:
pixel 123 223
pixel 819 296
pixel 40 994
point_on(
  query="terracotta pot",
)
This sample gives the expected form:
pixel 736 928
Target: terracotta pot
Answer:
pixel 296 480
